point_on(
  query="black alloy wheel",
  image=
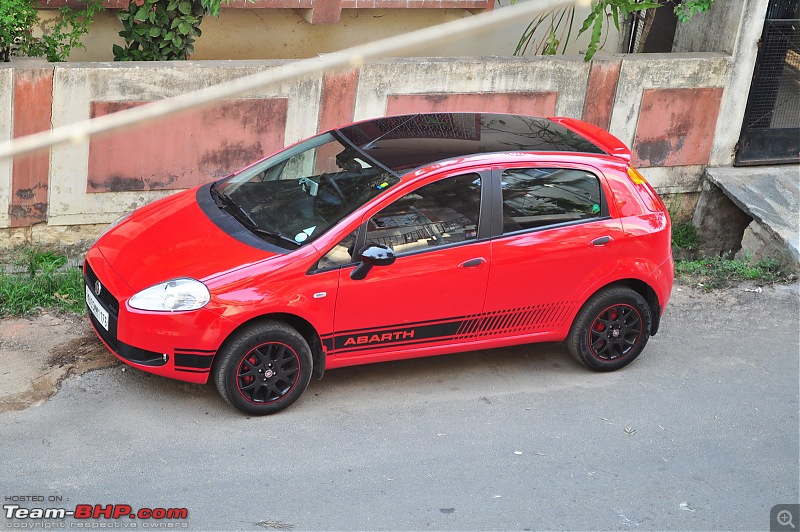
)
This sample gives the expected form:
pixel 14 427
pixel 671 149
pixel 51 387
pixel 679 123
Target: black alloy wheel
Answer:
pixel 267 373
pixel 615 332
pixel 263 368
pixel 611 329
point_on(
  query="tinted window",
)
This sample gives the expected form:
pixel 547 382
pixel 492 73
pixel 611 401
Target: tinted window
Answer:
pixel 340 254
pixel 537 197
pixel 411 141
pixel 301 192
pixel 438 214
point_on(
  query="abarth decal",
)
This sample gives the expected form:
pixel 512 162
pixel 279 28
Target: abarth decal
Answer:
pixel 521 320
pixel 379 338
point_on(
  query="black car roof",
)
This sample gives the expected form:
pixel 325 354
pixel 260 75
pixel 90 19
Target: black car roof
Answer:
pixel 405 142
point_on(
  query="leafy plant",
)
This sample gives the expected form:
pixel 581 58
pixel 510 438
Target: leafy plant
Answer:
pixel 688 8
pixel 34 278
pixel 613 8
pixel 560 21
pixel 162 30
pixel 684 236
pixel 19 18
pixel 719 272
pixel 64 33
pixel 555 36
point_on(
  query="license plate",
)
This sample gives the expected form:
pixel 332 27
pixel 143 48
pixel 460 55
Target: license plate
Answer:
pixel 97 311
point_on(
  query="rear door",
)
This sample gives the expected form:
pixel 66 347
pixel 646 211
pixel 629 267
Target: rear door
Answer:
pixel 554 239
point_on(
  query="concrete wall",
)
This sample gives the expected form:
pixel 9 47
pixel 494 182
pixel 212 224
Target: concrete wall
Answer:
pixel 666 107
pixel 6 110
pixel 733 27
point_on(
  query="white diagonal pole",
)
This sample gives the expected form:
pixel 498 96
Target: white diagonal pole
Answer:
pixel 348 58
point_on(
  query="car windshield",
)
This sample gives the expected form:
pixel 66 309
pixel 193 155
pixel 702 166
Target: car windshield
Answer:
pixel 296 195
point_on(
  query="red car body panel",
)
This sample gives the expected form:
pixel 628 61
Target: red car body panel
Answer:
pixel 492 292
pixel 172 238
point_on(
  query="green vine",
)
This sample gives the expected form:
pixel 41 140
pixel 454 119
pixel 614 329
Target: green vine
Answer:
pixel 688 8
pixel 162 30
pixel 559 23
pixel 59 36
pixel 601 11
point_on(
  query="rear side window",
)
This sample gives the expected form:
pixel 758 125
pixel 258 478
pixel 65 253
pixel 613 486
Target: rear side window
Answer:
pixel 539 197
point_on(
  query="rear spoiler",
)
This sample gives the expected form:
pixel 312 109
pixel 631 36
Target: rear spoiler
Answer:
pixel 600 137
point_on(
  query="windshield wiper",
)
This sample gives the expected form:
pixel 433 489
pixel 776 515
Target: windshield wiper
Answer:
pixel 274 235
pixel 226 202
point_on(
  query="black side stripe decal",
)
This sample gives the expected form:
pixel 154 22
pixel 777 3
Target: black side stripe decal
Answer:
pixel 193 359
pixel 502 322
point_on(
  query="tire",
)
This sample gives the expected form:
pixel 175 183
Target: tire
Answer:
pixel 263 368
pixel 611 329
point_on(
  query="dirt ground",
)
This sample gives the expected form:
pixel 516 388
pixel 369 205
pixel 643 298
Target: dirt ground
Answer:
pixel 37 353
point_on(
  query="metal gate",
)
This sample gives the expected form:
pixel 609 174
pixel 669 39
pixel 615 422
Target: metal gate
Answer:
pixel 771 129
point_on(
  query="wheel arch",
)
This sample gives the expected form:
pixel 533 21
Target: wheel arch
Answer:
pixel 301 325
pixel 647 292
pixel 640 287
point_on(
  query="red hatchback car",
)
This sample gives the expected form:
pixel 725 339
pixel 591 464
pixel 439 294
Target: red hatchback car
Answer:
pixel 393 238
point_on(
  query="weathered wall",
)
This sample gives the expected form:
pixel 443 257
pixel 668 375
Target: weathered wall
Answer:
pixel 666 107
pixel 6 110
pixel 95 181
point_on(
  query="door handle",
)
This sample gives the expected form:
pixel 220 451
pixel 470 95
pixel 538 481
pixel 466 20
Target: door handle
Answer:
pixel 602 241
pixel 473 263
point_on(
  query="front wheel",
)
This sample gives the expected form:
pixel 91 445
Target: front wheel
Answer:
pixel 611 329
pixel 263 368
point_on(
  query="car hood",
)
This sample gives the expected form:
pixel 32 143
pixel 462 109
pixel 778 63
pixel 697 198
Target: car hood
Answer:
pixel 173 238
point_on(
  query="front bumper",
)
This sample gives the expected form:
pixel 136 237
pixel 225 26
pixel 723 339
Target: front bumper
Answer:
pixel 179 345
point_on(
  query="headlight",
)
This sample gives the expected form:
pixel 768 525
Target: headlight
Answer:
pixel 177 294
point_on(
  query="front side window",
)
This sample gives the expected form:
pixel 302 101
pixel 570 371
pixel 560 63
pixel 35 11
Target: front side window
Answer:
pixel 296 195
pixel 539 197
pixel 438 214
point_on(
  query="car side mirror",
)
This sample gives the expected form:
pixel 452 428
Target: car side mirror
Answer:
pixel 372 255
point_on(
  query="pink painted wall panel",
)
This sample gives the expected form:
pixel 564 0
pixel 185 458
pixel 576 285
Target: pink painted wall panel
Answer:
pixel 676 126
pixel 33 92
pixel 187 150
pixel 526 103
pixel 338 99
pixel 601 92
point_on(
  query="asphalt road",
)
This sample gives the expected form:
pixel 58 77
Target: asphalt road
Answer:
pixel 700 433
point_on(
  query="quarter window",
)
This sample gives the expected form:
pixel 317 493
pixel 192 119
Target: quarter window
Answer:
pixel 340 254
pixel 538 197
pixel 441 213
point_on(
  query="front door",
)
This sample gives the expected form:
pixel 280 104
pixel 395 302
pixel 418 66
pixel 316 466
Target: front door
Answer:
pixel 438 280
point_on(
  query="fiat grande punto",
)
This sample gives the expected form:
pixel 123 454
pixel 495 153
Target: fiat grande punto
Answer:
pixel 393 238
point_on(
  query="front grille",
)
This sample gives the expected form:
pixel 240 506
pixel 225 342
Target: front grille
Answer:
pixel 106 336
pixel 106 298
pixel 108 302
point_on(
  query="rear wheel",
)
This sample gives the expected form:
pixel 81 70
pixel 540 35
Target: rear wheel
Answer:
pixel 264 368
pixel 611 329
